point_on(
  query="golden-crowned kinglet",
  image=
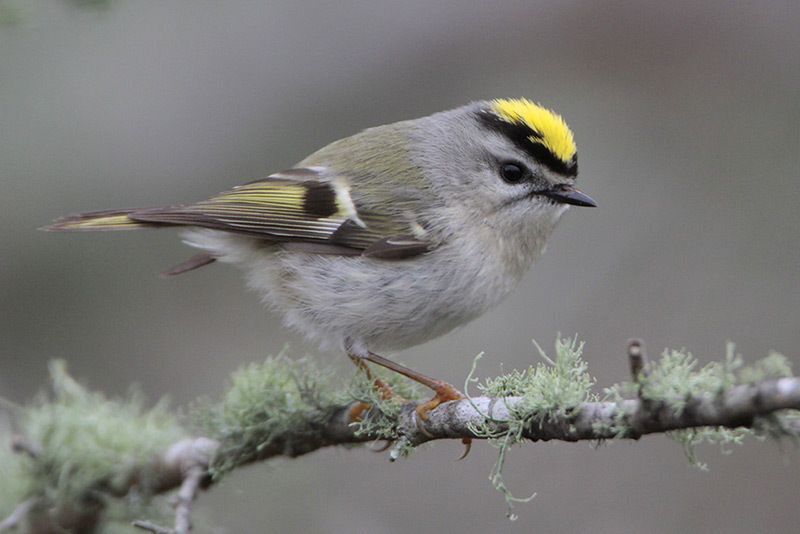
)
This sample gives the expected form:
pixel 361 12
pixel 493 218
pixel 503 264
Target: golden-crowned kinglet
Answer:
pixel 393 236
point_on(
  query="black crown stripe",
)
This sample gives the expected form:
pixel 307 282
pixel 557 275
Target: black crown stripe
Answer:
pixel 529 141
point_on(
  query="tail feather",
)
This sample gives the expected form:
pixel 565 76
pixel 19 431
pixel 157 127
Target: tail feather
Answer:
pixel 195 262
pixel 98 221
pixel 125 219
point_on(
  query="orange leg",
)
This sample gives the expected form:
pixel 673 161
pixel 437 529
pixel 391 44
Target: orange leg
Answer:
pixel 358 409
pixel 444 392
pixel 380 385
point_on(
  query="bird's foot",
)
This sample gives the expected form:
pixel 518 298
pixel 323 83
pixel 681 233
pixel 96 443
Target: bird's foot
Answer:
pixel 386 392
pixel 357 411
pixel 444 392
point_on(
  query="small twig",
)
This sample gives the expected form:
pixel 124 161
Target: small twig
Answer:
pixel 151 527
pixel 186 496
pixel 189 460
pixel 637 359
pixel 15 518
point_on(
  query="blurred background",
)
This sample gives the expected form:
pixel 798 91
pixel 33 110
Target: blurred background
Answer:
pixel 687 118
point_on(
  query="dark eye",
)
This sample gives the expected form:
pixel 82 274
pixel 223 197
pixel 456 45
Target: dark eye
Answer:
pixel 512 173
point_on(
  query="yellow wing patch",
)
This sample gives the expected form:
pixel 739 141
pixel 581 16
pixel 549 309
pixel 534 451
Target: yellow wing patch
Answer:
pixel 94 221
pixel 332 198
pixel 277 194
pixel 555 134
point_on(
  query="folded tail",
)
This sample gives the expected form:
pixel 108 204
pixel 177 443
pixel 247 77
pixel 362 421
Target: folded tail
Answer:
pixel 98 221
pixel 119 220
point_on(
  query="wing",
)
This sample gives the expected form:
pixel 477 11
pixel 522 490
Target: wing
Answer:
pixel 307 206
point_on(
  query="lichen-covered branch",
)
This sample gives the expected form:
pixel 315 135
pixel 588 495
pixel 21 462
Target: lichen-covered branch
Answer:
pixel 290 408
pixel 631 418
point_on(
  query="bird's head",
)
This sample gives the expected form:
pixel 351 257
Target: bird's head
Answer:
pixel 508 163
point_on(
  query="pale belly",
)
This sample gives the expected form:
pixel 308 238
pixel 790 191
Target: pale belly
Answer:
pixel 386 305
pixel 380 304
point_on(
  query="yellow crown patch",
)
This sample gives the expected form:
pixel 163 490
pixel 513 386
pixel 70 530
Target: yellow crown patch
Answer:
pixel 553 132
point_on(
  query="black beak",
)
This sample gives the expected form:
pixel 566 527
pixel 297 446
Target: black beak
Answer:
pixel 570 195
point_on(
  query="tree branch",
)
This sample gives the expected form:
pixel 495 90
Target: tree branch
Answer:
pixel 592 421
pixel 189 464
pixel 738 407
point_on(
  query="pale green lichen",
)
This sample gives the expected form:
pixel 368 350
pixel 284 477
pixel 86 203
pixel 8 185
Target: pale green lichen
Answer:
pixel 552 391
pixel 381 420
pixel 619 427
pixel 85 437
pixel 85 444
pixel 89 443
pixel 663 383
pixel 549 392
pixel 14 480
pixel 287 403
pixel 678 376
pixel 775 365
pixel 281 402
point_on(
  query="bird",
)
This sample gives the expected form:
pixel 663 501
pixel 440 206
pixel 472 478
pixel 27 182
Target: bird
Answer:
pixel 390 237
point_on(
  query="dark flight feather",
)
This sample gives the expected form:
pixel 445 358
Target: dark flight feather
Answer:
pixel 300 206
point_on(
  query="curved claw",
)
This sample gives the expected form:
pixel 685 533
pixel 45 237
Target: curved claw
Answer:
pixel 467 447
pixel 444 393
